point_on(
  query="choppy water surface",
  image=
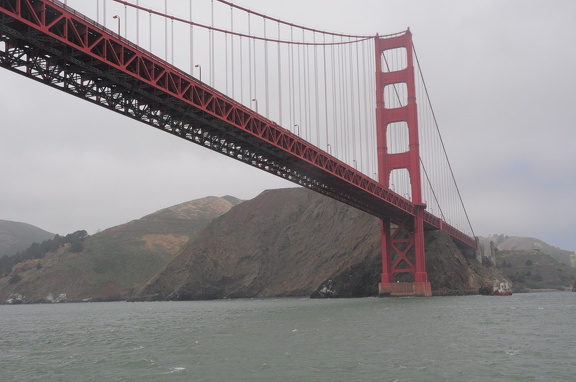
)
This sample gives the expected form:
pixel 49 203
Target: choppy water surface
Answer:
pixel 525 337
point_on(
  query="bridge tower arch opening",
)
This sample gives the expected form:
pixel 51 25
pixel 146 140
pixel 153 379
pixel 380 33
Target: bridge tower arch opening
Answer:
pixel 403 260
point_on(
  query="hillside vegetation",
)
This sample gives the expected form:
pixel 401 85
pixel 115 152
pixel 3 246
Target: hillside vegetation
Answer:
pixel 519 243
pixel 16 236
pixel 532 264
pixel 287 242
pixel 12 264
pixel 116 260
pixel 532 269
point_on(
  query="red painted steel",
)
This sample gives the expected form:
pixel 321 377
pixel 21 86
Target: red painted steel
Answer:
pixel 51 43
pixel 402 242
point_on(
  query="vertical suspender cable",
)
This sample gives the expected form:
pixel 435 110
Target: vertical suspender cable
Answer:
pixel 165 30
pixel 358 83
pixel 191 40
pixel 254 76
pixel 341 106
pixel 343 103
pixel 266 85
pixel 172 39
pixel 365 146
pixel 250 93
pixel 279 78
pixel 211 43
pixel 138 23
pixel 300 94
pixel 316 97
pixel 352 104
pixel 344 98
pixel 372 83
pixel 241 49
pixel 226 63
pixel 306 87
pixel 233 63
pixel 334 95
pixel 291 78
pixel 349 104
pixel 325 92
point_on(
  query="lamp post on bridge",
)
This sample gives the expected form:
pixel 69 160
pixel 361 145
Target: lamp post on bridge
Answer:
pixel 118 19
pixel 199 71
pixel 256 104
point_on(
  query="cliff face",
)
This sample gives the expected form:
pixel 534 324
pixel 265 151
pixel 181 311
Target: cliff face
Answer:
pixel 287 242
pixel 294 242
pixel 282 243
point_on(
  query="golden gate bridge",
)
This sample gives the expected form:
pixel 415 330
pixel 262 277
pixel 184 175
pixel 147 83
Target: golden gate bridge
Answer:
pixel 346 115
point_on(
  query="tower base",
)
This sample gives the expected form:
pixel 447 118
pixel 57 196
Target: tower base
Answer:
pixel 418 289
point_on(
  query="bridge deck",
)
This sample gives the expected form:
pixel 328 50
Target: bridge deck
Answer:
pixel 44 40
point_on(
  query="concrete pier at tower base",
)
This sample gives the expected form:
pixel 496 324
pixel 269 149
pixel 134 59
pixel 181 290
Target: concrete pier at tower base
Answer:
pixel 398 289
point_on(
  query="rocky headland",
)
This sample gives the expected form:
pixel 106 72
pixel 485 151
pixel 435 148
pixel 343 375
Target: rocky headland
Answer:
pixel 286 242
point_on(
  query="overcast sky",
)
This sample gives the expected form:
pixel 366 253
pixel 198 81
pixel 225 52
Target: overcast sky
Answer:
pixel 500 75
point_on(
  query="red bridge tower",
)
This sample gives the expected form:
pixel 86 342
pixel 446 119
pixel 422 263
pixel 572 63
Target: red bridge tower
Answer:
pixel 403 262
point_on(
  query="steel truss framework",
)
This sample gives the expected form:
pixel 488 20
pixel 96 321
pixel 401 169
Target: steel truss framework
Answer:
pixel 51 43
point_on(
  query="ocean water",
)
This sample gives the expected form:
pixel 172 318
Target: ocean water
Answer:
pixel 524 337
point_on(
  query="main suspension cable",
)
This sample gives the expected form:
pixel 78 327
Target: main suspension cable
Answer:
pixel 357 39
pixel 442 141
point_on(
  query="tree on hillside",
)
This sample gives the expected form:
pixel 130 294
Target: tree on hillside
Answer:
pixel 39 250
